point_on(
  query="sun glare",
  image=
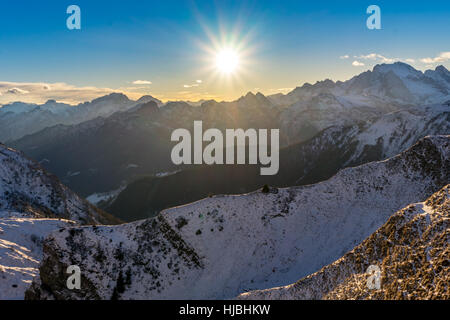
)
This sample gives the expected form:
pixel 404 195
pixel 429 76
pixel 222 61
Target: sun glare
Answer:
pixel 227 61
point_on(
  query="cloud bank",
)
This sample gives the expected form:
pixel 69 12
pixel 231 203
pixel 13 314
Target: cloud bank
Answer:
pixel 142 82
pixel 427 63
pixel 61 92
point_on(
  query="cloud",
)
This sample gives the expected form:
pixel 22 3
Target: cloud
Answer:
pixel 376 57
pixel 357 64
pixel 379 58
pixel 16 91
pixel 196 84
pixel 280 90
pixel 442 57
pixel 142 82
pixel 344 57
pixel 37 92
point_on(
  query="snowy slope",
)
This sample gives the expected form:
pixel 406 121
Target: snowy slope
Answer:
pixel 411 249
pixel 27 188
pixel 400 82
pixel 33 203
pixel 397 131
pixel 21 240
pixel 225 245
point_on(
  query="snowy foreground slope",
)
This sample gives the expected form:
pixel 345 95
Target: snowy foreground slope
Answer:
pixel 411 249
pixel 225 245
pixel 33 203
pixel 21 240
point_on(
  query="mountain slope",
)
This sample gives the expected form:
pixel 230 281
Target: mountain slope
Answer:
pixel 411 249
pixel 33 203
pixel 19 119
pixel 21 239
pixel 135 142
pixel 308 162
pixel 26 187
pixel 225 245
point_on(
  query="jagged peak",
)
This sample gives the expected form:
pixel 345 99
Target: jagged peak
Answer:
pixel 249 95
pixel 441 68
pixel 399 68
pixel 114 96
pixel 148 98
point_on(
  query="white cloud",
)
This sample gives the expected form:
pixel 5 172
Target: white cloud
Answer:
pixel 429 61
pixel 16 91
pixel 357 64
pixel 442 57
pixel 344 57
pixel 376 57
pixel 196 84
pixel 36 92
pixel 142 82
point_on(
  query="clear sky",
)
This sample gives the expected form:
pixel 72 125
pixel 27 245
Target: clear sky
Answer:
pixel 171 46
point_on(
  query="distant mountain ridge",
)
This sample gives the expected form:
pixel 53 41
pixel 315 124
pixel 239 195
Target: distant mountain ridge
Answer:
pixel 19 119
pixel 117 150
pixel 308 162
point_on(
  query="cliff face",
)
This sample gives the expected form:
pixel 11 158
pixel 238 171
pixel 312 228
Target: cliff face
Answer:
pixel 411 249
pixel 225 245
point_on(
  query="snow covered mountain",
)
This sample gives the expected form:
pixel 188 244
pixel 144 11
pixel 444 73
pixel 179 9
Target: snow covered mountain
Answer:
pixel 411 249
pixel 108 151
pixel 33 203
pixel 111 151
pixel 27 188
pixel 19 119
pixel 307 162
pixel 387 88
pixel 396 84
pixel 21 239
pixel 225 245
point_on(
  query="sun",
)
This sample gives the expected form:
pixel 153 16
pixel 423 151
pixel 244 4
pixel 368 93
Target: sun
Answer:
pixel 227 60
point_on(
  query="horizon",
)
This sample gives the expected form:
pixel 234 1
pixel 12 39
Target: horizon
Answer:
pixel 135 97
pixel 170 50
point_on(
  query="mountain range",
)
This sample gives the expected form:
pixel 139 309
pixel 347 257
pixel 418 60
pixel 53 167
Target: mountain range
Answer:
pixel 222 246
pixel 109 153
pixel 19 119
pixel 363 180
pixel 314 160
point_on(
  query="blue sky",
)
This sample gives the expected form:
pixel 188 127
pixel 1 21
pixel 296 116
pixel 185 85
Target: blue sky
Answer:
pixel 173 44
